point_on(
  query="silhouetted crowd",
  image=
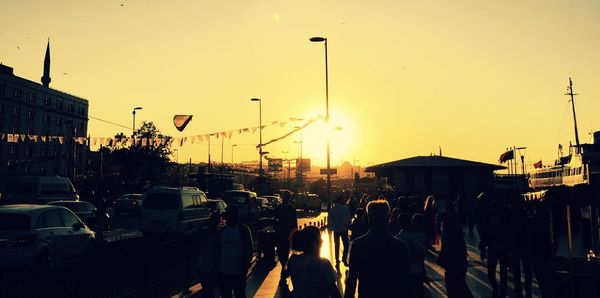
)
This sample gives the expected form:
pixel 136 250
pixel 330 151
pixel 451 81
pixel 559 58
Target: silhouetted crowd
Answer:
pixel 384 241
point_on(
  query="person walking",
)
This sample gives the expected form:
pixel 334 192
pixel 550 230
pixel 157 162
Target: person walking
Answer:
pixel 285 222
pixel 429 213
pixel 453 258
pixel 360 225
pixel 519 225
pixel 338 221
pixel 312 276
pixel 235 254
pixel 379 263
pixel 497 248
pixel 207 262
pixel 416 243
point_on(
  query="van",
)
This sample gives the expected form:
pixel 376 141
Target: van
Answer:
pixel 173 210
pixel 42 189
pixel 245 201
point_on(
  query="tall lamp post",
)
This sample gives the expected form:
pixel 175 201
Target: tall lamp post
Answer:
pixel 232 146
pixel 133 136
pixel 324 40
pixel 260 152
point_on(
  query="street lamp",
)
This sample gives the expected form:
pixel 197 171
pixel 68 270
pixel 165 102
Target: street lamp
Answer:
pixel 324 40
pixel 133 112
pixel 133 145
pixel 234 145
pixel 260 152
pixel 288 161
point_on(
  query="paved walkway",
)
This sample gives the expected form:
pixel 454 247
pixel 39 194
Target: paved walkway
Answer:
pixel 263 282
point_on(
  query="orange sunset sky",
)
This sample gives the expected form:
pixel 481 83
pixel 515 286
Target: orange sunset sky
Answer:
pixel 405 77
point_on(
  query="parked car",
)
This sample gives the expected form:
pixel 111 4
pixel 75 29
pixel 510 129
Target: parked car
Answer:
pixel 237 186
pixel 307 201
pixel 216 205
pixel 274 200
pixel 37 237
pixel 266 210
pixel 173 210
pixel 42 189
pixel 131 203
pixel 87 212
pixel 245 201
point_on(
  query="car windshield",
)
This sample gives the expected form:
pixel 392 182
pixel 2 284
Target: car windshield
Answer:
pixel 14 222
pixel 56 189
pixel 75 207
pixel 161 201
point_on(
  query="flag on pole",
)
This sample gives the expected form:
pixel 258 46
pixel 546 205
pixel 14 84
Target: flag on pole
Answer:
pixel 181 121
pixel 506 156
pixel 538 164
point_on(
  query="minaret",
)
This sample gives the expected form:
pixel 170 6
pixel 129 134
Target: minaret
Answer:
pixel 46 78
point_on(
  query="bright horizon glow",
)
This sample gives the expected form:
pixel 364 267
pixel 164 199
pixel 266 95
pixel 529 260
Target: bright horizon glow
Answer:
pixel 405 78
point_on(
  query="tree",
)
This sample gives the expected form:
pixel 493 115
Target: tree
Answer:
pixel 139 165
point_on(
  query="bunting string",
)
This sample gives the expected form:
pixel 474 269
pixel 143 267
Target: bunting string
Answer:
pixel 159 141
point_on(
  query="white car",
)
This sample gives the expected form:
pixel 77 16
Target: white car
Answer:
pixel 37 237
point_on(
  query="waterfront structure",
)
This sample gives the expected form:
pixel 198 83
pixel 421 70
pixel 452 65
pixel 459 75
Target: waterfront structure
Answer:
pixel 438 175
pixel 43 129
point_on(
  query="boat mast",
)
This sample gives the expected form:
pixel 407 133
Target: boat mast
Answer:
pixel 570 89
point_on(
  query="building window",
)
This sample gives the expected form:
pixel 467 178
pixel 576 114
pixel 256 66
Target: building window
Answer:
pixel 15 111
pixel 58 121
pixel 17 93
pixel 28 151
pixel 30 115
pixel 69 123
pixel 70 107
pixel 12 149
pixel 47 101
pixel 81 127
pixel 44 153
pixel 46 118
pixel 32 97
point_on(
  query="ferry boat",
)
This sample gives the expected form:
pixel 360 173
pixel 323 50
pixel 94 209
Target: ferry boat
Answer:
pixel 572 181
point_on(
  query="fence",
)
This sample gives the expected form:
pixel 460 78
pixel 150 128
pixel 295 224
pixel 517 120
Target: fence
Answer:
pixel 128 268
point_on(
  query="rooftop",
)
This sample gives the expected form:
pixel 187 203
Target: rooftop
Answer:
pixel 432 161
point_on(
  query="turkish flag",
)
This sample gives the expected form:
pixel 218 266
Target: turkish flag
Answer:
pixel 506 156
pixel 538 164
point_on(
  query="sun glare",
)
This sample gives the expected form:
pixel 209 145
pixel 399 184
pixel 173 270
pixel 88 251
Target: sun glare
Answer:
pixel 340 133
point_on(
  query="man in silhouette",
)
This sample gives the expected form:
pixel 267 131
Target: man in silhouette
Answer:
pixel 379 261
pixel 497 248
pixel 285 222
pixel 235 254
pixel 338 221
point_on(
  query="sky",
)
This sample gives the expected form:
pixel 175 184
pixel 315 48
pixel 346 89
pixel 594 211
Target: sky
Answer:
pixel 406 78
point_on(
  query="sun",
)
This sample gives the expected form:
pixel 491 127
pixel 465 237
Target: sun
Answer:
pixel 340 133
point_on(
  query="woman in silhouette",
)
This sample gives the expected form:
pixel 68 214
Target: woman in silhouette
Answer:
pixel 312 276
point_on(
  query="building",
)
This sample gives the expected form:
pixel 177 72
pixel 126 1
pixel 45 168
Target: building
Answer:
pixel 438 175
pixel 43 129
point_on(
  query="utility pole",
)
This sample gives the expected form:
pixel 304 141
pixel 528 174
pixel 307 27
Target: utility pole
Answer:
pixel 570 89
